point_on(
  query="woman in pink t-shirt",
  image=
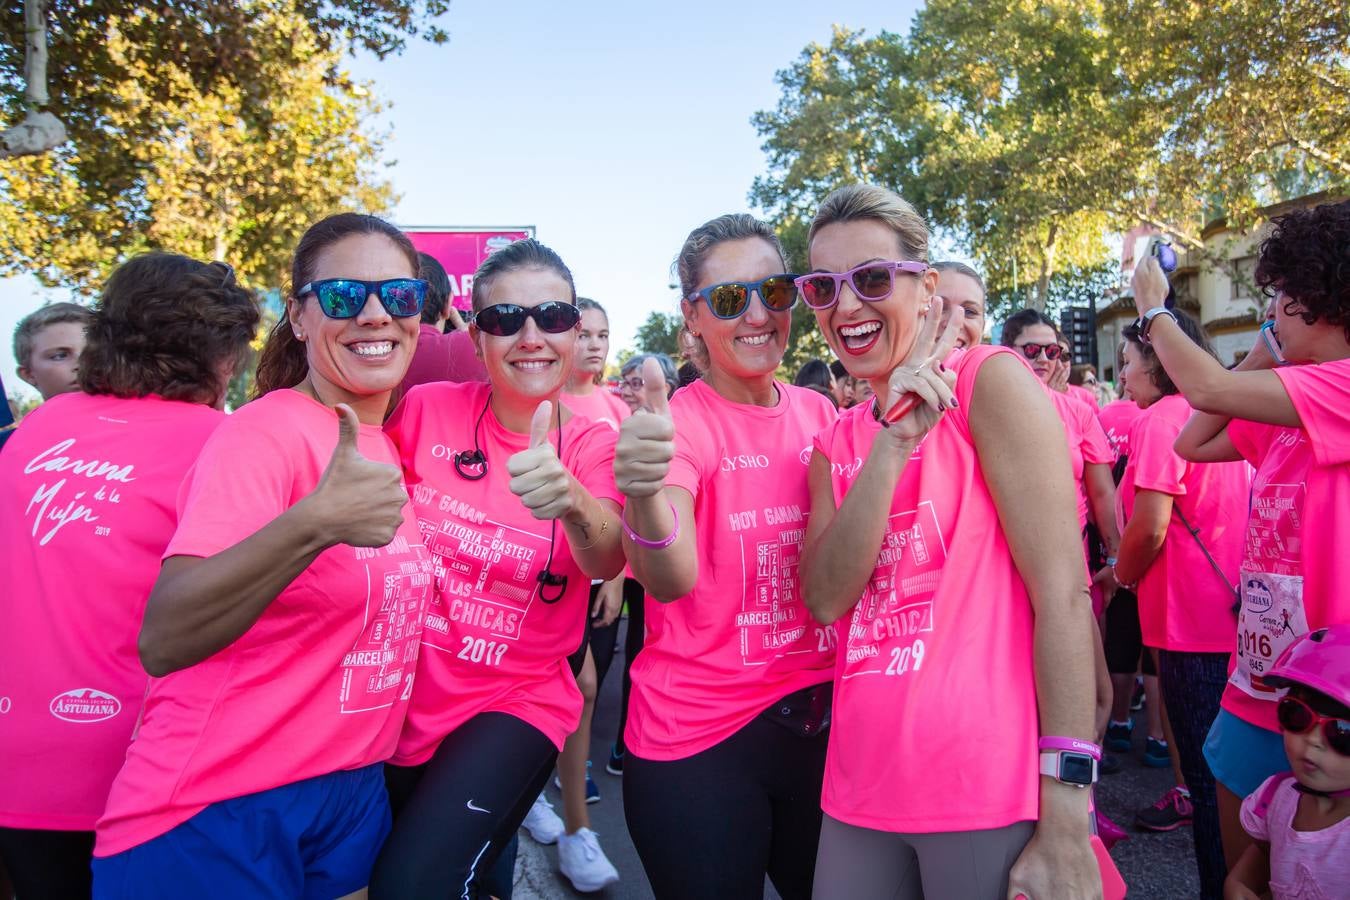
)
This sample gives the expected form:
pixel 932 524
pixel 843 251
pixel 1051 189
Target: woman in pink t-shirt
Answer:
pixel 725 735
pixel 964 629
pixel 1286 410
pixel 283 630
pixel 1179 552
pixel 89 481
pixel 516 499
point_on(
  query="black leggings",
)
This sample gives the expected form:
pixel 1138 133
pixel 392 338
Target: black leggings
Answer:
pixel 712 825
pixel 635 598
pixel 48 863
pixel 453 815
pixel 1192 685
pixel 1124 641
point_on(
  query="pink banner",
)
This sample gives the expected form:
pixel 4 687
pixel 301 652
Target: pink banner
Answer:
pixel 461 251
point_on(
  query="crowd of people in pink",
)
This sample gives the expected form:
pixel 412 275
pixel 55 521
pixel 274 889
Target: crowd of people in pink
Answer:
pixel 885 624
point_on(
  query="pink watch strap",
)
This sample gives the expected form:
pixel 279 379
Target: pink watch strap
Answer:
pixel 1075 744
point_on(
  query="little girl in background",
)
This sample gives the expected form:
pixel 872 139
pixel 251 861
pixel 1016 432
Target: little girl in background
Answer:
pixel 1301 819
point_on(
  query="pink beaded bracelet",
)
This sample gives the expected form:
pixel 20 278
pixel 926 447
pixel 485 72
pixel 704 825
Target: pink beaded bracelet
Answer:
pixel 652 545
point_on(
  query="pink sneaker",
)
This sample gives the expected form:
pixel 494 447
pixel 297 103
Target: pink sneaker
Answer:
pixel 1110 833
pixel 1172 811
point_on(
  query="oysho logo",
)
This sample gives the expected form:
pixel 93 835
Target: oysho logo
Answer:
pixel 744 461
pixel 85 705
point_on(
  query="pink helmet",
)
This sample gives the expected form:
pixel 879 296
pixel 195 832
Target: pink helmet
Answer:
pixel 1319 660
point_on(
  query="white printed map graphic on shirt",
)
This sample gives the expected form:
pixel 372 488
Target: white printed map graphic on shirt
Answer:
pixel 379 669
pixel 772 615
pixel 488 576
pixel 885 632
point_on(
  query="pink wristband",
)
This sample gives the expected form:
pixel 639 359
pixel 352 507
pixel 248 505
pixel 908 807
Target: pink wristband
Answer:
pixel 652 545
pixel 1074 744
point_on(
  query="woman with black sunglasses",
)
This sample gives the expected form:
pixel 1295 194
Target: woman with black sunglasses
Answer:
pixel 730 701
pixel 965 665
pixel 284 627
pixel 517 504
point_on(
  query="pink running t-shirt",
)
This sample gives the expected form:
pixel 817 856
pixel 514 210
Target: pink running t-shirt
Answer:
pixel 599 406
pixel 1117 418
pixel 1087 444
pixel 492 642
pixel 1304 865
pixel 321 681
pixel 89 484
pixel 1184 605
pixel 1083 396
pixel 1293 577
pixel 742 639
pixel 935 723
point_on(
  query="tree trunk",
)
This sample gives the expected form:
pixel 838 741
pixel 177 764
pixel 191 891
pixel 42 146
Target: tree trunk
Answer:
pixel 1042 294
pixel 39 130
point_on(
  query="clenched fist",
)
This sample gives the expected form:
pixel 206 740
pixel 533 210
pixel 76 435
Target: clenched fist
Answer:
pixel 646 439
pixel 359 502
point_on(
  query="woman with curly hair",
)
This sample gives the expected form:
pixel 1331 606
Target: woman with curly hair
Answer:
pixel 1285 409
pixel 88 483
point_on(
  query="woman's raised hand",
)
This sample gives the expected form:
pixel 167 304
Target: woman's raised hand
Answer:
pixel 357 501
pixel 537 475
pixel 923 375
pixel 646 439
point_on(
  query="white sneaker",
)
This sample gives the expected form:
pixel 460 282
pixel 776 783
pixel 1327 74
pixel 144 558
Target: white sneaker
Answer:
pixel 584 863
pixel 542 822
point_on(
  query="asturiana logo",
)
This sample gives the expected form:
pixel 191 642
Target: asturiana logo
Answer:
pixel 85 705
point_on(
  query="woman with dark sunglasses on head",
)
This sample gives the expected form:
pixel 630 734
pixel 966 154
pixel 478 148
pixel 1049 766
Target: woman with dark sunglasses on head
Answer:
pixel 730 699
pixel 963 693
pixel 89 481
pixel 517 504
pixel 283 631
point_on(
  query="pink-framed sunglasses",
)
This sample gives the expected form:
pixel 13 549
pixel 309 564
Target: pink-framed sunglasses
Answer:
pixel 871 281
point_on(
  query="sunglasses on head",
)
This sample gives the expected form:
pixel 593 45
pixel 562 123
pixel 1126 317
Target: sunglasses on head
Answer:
pixel 1031 351
pixel 506 319
pixel 871 281
pixel 344 298
pixel 732 298
pixel 1297 717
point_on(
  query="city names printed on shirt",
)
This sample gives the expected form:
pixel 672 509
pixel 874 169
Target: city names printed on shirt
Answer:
pixel 772 620
pixel 73 490
pixel 488 577
pixel 378 670
pixel 1270 584
pixel 885 633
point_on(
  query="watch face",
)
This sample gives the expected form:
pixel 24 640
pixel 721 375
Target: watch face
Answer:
pixel 1075 768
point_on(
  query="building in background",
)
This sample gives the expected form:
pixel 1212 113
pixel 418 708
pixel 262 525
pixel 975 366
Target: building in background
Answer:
pixel 1220 291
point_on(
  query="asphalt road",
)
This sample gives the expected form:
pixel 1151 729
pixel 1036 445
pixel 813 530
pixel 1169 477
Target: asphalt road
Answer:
pixel 1155 866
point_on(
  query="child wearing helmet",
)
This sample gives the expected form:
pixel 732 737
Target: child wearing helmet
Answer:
pixel 1301 819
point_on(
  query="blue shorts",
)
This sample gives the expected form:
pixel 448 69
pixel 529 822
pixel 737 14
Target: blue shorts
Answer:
pixel 315 839
pixel 1242 755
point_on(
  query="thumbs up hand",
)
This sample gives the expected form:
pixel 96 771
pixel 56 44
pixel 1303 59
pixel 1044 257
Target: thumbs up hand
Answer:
pixel 646 439
pixel 359 502
pixel 537 475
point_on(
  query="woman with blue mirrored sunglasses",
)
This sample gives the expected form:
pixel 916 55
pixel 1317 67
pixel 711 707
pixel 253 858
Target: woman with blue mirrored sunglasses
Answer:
pixel 344 298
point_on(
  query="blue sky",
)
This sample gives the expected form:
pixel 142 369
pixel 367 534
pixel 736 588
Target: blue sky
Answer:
pixel 613 128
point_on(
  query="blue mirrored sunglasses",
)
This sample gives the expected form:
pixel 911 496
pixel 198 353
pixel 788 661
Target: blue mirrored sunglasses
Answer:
pixel 344 298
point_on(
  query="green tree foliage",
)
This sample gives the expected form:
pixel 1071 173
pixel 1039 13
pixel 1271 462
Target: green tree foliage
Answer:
pixel 1029 130
pixel 216 129
pixel 660 333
